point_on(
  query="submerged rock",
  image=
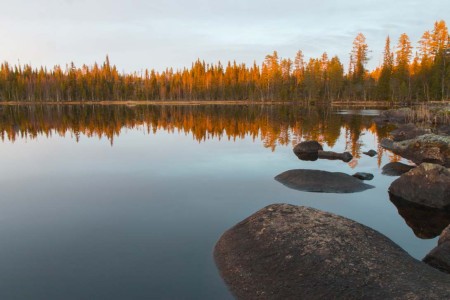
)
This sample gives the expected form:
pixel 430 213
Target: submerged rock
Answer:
pixel 363 176
pixel 346 156
pixel 426 222
pixel 292 252
pixel 439 257
pixel 396 169
pixel 370 153
pixel 428 184
pixel 307 150
pixel 430 148
pixel 321 181
pixel 407 132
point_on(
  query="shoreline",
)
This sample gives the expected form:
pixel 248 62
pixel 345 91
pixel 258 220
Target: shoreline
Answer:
pixel 225 102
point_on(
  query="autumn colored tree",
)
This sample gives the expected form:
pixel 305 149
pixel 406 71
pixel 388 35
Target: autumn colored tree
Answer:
pixel 440 45
pixel 358 61
pixel 401 74
pixel 425 77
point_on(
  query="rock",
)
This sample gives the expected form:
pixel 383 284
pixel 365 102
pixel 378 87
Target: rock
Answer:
pixel 440 114
pixel 321 181
pixel 430 148
pixel 396 169
pixel 370 153
pixel 363 176
pixel 407 132
pixel 307 150
pixel 292 252
pixel 445 236
pixel 346 156
pixel 439 257
pixel 444 129
pixel 426 222
pixel 401 115
pixel 428 185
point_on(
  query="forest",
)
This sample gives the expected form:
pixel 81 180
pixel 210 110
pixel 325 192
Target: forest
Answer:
pixel 406 74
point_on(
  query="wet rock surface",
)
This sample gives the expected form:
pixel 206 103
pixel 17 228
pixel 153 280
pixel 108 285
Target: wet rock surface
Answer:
pixel 426 222
pixel 292 252
pixel 396 169
pixel 428 185
pixel 439 257
pixel 430 148
pixel 345 156
pixel 321 181
pixel 363 176
pixel 307 150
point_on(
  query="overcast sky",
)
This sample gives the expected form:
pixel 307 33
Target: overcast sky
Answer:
pixel 140 34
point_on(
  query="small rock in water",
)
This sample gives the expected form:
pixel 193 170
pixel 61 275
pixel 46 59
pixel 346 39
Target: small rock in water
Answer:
pixel 346 156
pixel 370 153
pixel 321 181
pixel 307 150
pixel 363 176
pixel 396 169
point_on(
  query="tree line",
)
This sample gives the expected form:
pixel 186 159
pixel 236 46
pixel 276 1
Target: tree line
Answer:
pixel 406 74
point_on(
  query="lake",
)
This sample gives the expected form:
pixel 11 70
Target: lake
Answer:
pixel 127 202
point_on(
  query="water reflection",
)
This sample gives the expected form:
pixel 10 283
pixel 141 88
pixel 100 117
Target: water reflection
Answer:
pixel 274 124
pixel 426 222
pixel 133 220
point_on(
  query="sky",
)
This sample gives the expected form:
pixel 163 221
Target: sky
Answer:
pixel 139 34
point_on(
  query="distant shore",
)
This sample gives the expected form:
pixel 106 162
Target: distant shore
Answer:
pixel 226 102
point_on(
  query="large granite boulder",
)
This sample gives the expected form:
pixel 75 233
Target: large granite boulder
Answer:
pixel 345 156
pixel 430 148
pixel 428 185
pixel 407 132
pixel 426 222
pixel 439 257
pixel 291 252
pixel 321 181
pixel 307 150
pixel 396 169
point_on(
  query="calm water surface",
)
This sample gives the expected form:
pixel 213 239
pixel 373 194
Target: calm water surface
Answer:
pixel 119 202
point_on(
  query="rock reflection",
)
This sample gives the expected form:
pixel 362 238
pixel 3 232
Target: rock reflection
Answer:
pixel 426 222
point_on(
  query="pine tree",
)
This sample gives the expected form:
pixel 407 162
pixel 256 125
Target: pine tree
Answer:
pixel 384 81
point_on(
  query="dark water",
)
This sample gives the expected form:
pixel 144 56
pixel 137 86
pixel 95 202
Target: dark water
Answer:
pixel 119 202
